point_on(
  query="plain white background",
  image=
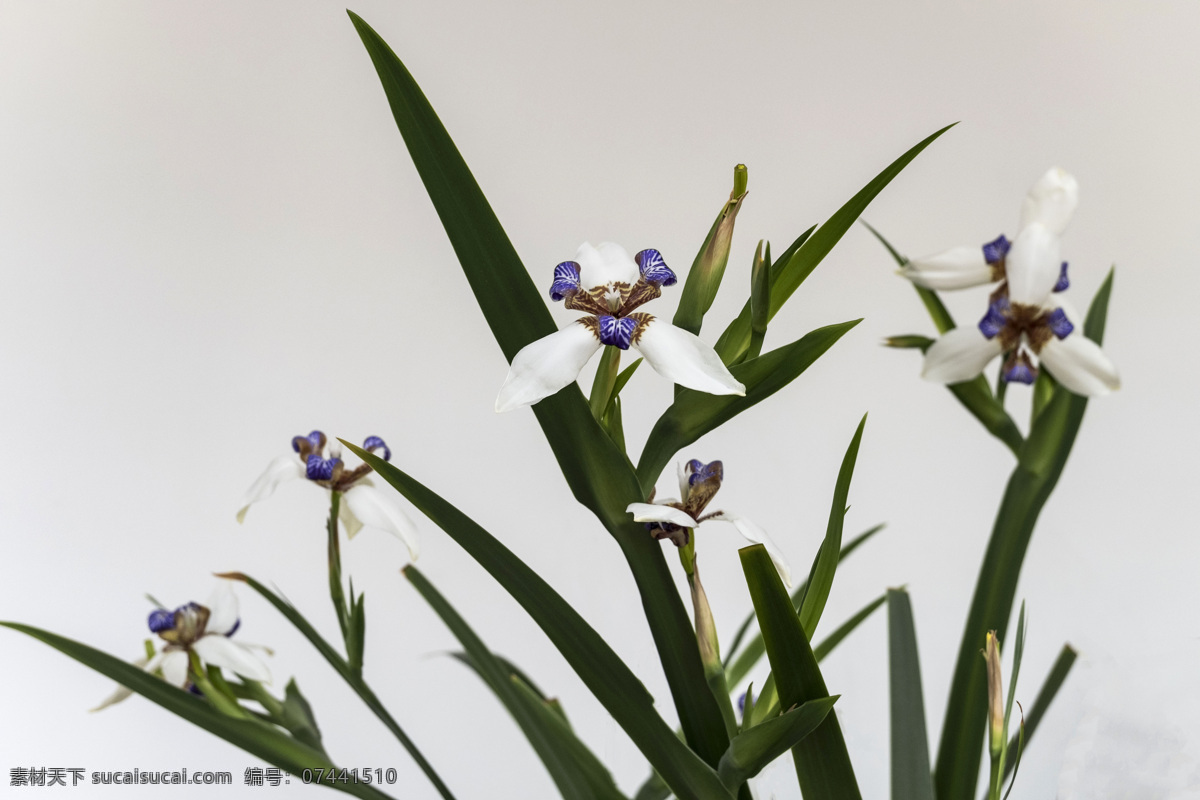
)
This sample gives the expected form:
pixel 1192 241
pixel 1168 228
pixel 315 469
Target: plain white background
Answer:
pixel 212 239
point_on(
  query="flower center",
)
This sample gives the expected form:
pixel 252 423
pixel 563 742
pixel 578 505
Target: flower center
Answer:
pixel 331 472
pixel 1018 325
pixel 183 627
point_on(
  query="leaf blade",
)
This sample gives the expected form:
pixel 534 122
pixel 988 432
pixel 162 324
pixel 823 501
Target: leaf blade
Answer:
pixel 911 776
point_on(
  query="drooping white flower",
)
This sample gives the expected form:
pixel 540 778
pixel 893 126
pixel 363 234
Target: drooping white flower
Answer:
pixel 609 285
pixel 362 504
pixel 1050 203
pixel 205 630
pixel 675 519
pixel 1028 322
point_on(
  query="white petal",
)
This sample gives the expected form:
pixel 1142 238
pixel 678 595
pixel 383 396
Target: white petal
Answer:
pixel 959 355
pixel 545 366
pixel 222 608
pixel 223 652
pixel 757 535
pixel 175 666
pixel 122 693
pixel 959 268
pixel 653 512
pixel 350 522
pixel 284 468
pixel 683 358
pixel 1051 201
pixel 1079 364
pixel 606 264
pixel 377 508
pixel 1033 265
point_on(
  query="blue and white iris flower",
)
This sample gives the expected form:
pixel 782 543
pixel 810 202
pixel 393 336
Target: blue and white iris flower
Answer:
pixel 675 519
pixel 1050 203
pixel 609 285
pixel 362 504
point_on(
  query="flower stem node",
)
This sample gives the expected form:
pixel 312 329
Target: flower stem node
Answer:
pixel 609 286
pixel 319 462
pixel 674 519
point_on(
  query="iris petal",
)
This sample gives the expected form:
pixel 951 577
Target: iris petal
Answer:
pixel 543 367
pixel 959 268
pixel 1080 365
pixel 959 355
pixel 683 358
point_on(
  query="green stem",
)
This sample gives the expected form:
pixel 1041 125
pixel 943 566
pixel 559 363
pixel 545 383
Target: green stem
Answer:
pixel 219 696
pixel 606 379
pixel 336 593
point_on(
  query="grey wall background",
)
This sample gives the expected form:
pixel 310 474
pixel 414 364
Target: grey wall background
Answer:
pixel 212 239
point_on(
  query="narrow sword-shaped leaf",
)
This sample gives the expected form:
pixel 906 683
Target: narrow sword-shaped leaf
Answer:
pixel 1054 681
pixel 751 751
pixel 576 772
pixel 351 675
pixel 600 669
pixel 961 746
pixel 801 264
pixel 596 469
pixel 255 737
pixel 911 776
pixel 694 414
pixel 822 763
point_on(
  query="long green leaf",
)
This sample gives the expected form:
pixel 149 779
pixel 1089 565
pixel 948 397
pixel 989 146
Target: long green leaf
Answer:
pixel 1054 681
pixel 694 414
pixel 911 777
pixel 1052 437
pixel 821 583
pixel 577 773
pixel 738 665
pixel 352 677
pixel 599 474
pixel 793 273
pixel 822 763
pixel 601 670
pixel 255 737
pixel 751 751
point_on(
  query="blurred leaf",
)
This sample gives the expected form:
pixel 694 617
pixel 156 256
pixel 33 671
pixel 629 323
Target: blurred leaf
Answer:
pixel 597 470
pixel 577 773
pixel 1050 687
pixel 351 676
pixel 911 342
pixel 933 304
pixel 694 414
pixel 298 716
pixel 1046 451
pixel 753 750
pixel 708 269
pixel 600 669
pixel 822 763
pixel 800 265
pixel 516 672
pixel 911 777
pixel 255 737
pixel 816 592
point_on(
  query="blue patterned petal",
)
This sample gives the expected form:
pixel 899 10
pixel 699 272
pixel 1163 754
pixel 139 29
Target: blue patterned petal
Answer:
pixel 161 620
pixel 1059 324
pixel 699 471
pixel 373 443
pixel 995 250
pixel 1064 282
pixel 316 441
pixel 237 623
pixel 566 280
pixel 994 321
pixel 321 469
pixel 1020 371
pixel 654 269
pixel 617 331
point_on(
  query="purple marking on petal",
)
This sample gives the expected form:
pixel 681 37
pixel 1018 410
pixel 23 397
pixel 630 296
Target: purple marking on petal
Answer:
pixel 566 280
pixel 617 331
pixel 1021 371
pixel 191 687
pixel 1059 324
pixel 995 250
pixel 316 438
pixel 699 471
pixel 320 469
pixel 373 443
pixel 161 620
pixel 995 319
pixel 654 268
pixel 237 623
pixel 1064 282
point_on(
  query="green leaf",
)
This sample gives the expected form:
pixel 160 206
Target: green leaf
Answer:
pixel 819 585
pixel 911 777
pixel 822 763
pixel 751 751
pixel 933 304
pixel 909 342
pixel 704 278
pixel 738 668
pixel 600 669
pixel 298 716
pixel 1046 450
pixel 1054 681
pixel 255 737
pixel 577 773
pixel 800 265
pixel 596 469
pixel 349 674
pixel 694 414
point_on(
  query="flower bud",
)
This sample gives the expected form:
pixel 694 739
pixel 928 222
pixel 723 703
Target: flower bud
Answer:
pixel 995 694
